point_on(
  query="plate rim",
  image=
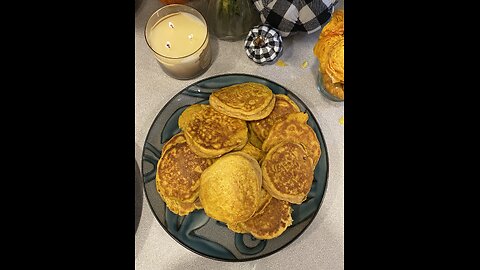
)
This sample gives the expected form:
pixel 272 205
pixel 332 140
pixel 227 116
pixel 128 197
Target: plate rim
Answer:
pixel 138 195
pixel 237 259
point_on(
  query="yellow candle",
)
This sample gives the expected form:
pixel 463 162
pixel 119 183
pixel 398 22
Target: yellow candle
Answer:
pixel 178 37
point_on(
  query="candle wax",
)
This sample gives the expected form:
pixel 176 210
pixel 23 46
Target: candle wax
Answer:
pixel 178 35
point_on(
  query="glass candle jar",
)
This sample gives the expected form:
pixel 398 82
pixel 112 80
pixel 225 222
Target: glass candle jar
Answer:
pixel 178 37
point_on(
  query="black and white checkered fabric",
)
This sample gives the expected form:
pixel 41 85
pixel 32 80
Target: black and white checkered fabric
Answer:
pixel 288 16
pixel 269 50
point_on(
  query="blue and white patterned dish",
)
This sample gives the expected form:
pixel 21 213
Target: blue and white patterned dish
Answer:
pixel 196 231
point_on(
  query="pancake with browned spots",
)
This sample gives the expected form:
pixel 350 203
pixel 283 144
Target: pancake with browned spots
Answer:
pixel 247 101
pixel 178 174
pixel 188 113
pixel 283 106
pixel 271 222
pixel 294 129
pixel 287 172
pixel 210 133
pixel 265 198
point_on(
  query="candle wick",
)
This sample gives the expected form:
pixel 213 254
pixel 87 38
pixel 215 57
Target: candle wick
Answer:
pixel 171 25
pixel 190 36
pixel 168 45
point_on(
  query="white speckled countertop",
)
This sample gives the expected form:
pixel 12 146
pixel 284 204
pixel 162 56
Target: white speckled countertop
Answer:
pixel 321 245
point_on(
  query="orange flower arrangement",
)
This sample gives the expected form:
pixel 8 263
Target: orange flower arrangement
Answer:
pixel 329 50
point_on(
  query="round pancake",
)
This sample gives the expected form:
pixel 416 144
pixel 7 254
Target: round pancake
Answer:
pixel 179 170
pixel 230 188
pixel 335 64
pixel 294 129
pixel 188 113
pixel 288 172
pixel 176 139
pixel 335 26
pixel 210 133
pixel 265 198
pixel 271 222
pixel 283 106
pixel 247 101
pixel 253 151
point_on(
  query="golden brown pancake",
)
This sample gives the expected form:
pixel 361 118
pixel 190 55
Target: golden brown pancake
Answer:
pixel 176 139
pixel 294 129
pixel 246 101
pixel 271 222
pixel 210 133
pixel 188 113
pixel 230 188
pixel 288 172
pixel 253 151
pixel 265 198
pixel 283 106
pixel 178 175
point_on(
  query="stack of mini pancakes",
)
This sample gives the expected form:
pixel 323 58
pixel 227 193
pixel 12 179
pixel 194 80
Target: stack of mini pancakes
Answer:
pixel 329 50
pixel 244 158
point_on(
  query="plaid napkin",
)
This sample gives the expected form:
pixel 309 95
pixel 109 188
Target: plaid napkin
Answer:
pixel 289 16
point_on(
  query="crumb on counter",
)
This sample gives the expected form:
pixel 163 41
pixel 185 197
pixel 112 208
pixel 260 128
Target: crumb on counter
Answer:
pixel 281 63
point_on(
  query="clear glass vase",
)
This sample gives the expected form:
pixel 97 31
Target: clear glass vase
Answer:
pixel 231 19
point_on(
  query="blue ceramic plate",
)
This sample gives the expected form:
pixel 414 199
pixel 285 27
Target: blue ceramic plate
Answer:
pixel 198 232
pixel 138 196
